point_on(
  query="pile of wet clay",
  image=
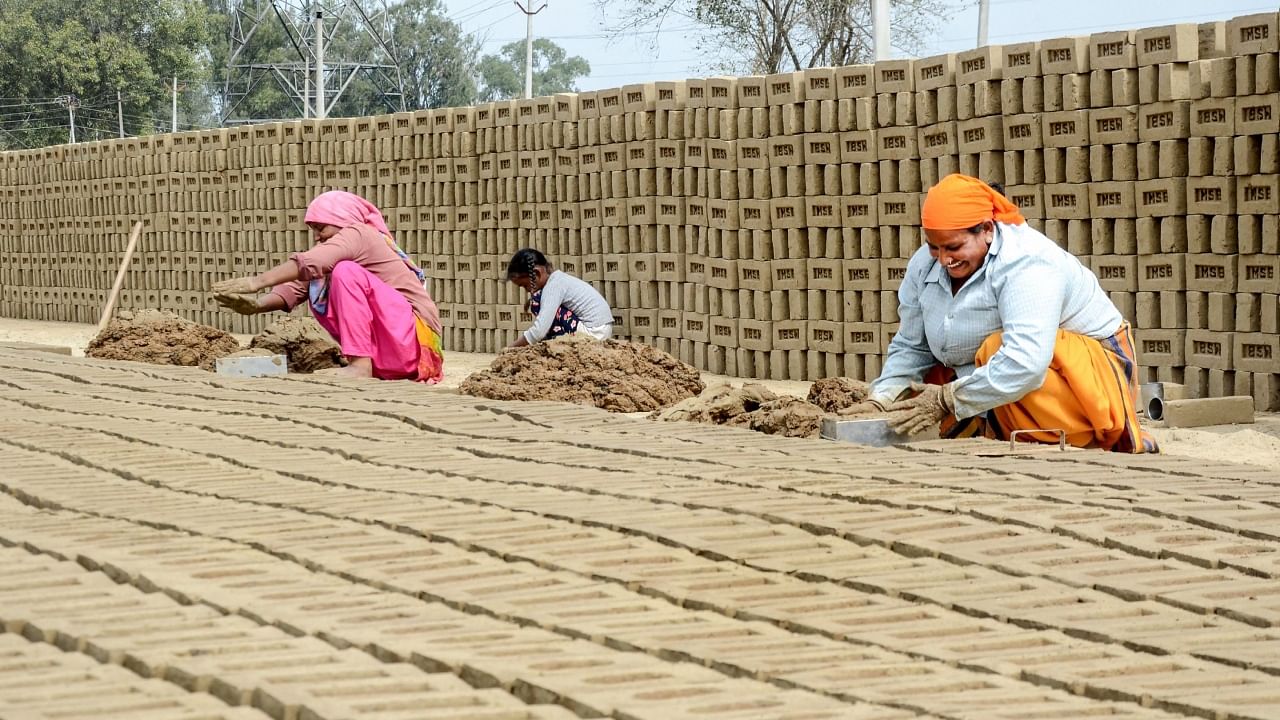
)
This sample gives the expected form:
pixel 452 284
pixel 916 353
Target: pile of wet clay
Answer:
pixel 837 393
pixel 614 375
pixel 161 338
pixel 751 406
pixel 300 338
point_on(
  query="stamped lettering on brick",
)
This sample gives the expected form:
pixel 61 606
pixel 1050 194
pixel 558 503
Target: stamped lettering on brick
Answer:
pixel 1259 272
pixel 819 83
pixel 1211 115
pixel 821 210
pixel 1062 200
pixel 751 213
pixel 973 135
pixel 896 273
pixel 750 91
pixel 1060 55
pixel 859 274
pixel 819 147
pixel 893 142
pixel 1255 113
pixel 932 71
pixel 1208 194
pixel 893 75
pixel 824 336
pixel 1157 346
pixel 1255 352
pixel 936 139
pixel 785 274
pixel 1112 272
pixel 1107 199
pixel 857 210
pixel 722 330
pixel 1111 124
pixel 822 273
pixel 1207 347
pixel 1020 131
pixel 610 156
pixel 781 88
pixel 697 268
pixel 751 152
pixel 1156 44
pixel 667 151
pixel 719 272
pixel 1254 33
pixel 784 150
pixel 974 65
pixel 610 100
pixel 719 92
pixel 1159 272
pixel 855 146
pixel 750 274
pixel 751 333
pixel 853 81
pixel 1160 120
pixel 895 208
pixel 668 209
pixel 788 334
pixel 1155 197
pixel 1260 193
pixel 1210 272
pixel 668 322
pixel 1024 201
pixel 695 92
pixel 861 336
pixel 1018 59
pixel 1062 127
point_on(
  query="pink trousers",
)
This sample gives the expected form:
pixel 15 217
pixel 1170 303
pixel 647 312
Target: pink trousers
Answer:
pixel 369 318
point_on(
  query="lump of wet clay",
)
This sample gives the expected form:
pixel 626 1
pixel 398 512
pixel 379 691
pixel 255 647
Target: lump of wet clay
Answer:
pixel 752 406
pixel 614 375
pixel 300 338
pixel 160 337
pixel 837 393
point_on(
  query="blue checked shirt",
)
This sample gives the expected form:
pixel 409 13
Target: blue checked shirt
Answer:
pixel 1027 286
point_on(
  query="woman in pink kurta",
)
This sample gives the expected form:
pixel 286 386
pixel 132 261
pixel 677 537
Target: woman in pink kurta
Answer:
pixel 361 287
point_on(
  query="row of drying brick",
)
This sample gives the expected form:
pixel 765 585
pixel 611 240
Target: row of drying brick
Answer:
pixel 607 614
pixel 213 655
pixel 517 543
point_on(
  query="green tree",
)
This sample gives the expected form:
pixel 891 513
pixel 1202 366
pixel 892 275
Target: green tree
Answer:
pixel 437 60
pixel 771 36
pixel 91 49
pixel 502 75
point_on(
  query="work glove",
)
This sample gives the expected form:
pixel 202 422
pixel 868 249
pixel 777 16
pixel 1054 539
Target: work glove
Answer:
pixel 927 408
pixel 234 286
pixel 243 304
pixel 866 407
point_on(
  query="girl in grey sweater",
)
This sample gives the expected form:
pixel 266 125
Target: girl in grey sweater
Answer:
pixel 561 303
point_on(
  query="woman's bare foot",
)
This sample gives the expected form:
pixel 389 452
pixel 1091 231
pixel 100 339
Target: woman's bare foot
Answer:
pixel 357 367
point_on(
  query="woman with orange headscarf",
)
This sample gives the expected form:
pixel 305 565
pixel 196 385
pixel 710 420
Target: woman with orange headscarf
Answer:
pixel 360 286
pixel 1002 330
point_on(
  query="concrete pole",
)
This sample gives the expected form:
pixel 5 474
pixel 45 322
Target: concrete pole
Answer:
pixel 71 108
pixel 175 104
pixel 528 45
pixel 320 112
pixel 120 112
pixel 984 7
pixel 880 21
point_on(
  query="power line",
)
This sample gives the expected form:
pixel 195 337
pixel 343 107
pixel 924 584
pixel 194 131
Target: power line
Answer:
pixel 471 13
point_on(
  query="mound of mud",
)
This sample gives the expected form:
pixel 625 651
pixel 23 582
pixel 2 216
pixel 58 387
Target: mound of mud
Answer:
pixel 614 375
pixel 161 338
pixel 300 338
pixel 751 406
pixel 837 393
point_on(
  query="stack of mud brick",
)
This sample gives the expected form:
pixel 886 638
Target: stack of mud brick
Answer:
pixel 757 226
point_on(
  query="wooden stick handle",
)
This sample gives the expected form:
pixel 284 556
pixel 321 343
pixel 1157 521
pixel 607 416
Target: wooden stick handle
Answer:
pixel 124 265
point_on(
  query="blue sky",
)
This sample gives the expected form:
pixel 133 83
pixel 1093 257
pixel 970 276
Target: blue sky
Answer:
pixel 576 26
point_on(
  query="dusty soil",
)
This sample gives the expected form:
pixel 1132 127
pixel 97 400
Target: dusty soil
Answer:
pixel 614 375
pixel 161 338
pixel 751 406
pixel 299 337
pixel 837 393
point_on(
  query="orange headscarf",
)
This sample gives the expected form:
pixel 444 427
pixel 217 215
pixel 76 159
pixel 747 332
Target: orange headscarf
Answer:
pixel 958 202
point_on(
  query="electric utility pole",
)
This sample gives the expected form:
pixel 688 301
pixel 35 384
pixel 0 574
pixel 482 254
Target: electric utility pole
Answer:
pixel 120 112
pixel 880 23
pixel 70 102
pixel 175 105
pixel 984 7
pixel 528 45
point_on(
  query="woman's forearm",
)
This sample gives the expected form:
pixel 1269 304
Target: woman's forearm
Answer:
pixel 286 271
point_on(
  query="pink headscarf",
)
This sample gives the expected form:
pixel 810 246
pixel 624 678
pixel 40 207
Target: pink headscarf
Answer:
pixel 344 209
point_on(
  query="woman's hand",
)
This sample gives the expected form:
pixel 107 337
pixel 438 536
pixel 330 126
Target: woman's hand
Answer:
pixel 243 304
pixel 928 408
pixel 866 407
pixel 236 286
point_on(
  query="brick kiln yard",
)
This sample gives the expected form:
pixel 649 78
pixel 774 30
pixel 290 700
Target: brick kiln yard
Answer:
pixel 177 544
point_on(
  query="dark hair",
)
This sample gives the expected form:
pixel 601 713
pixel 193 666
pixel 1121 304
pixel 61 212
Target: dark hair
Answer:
pixel 997 187
pixel 524 262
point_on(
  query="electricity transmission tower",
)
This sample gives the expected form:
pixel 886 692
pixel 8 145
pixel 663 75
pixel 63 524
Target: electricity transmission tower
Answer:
pixel 316 80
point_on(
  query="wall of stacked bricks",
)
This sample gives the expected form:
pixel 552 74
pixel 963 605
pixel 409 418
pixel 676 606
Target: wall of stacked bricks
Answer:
pixel 756 226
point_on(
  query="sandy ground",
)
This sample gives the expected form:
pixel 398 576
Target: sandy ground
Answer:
pixel 1257 444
